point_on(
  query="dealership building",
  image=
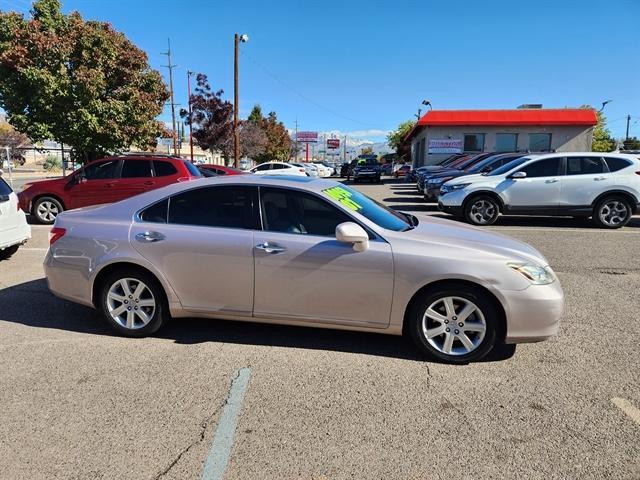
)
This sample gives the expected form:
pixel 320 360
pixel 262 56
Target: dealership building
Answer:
pixel 441 133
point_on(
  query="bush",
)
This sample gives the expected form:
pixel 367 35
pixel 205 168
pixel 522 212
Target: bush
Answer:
pixel 52 162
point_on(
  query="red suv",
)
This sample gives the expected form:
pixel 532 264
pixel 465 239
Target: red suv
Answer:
pixel 103 181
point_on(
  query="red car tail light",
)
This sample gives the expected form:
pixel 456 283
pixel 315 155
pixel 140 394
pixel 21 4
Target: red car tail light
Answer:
pixel 56 234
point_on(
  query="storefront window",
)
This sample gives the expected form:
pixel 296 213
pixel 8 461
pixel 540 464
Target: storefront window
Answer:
pixel 506 142
pixel 474 142
pixel 539 142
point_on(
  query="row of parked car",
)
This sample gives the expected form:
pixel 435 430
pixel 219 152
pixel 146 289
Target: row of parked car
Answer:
pixel 481 187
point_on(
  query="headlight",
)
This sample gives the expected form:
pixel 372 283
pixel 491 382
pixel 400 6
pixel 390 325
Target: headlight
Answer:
pixel 451 188
pixel 537 275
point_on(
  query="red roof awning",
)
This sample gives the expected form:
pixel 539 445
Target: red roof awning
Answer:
pixel 547 116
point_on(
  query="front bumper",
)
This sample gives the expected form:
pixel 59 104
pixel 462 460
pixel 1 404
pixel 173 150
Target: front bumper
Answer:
pixel 533 314
pixel 450 209
pixel 25 202
pixel 432 193
pixel 357 174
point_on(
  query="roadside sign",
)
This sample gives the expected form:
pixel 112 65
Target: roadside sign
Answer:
pixel 445 145
pixel 166 142
pixel 307 137
pixel 333 143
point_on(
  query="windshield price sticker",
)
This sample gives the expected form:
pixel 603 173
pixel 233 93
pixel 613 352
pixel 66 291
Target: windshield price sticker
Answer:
pixel 343 197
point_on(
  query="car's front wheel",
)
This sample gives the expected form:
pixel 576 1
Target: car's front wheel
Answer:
pixel 454 325
pixel 132 302
pixel 46 209
pixel 612 212
pixel 482 210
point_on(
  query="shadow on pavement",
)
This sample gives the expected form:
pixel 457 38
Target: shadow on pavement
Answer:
pixel 31 304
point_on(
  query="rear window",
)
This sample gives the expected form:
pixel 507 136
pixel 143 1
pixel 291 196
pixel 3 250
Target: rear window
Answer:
pixel 164 169
pixel 156 213
pixel 616 164
pixel 193 170
pixel 5 189
pixel 136 169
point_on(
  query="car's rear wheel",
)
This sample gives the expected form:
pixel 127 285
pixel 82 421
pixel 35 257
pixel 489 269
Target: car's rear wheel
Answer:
pixel 482 210
pixel 132 302
pixel 8 252
pixel 46 209
pixel 612 212
pixel 454 325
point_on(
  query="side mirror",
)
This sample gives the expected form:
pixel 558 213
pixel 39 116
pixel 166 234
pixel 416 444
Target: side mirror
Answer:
pixel 517 175
pixel 349 232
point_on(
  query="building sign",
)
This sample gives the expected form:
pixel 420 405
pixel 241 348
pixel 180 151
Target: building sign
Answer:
pixel 307 137
pixel 333 143
pixel 445 145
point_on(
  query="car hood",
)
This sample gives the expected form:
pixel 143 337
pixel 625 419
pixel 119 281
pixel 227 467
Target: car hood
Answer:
pixel 454 234
pixel 473 178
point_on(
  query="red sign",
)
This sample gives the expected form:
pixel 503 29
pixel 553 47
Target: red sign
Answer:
pixel 333 143
pixel 307 137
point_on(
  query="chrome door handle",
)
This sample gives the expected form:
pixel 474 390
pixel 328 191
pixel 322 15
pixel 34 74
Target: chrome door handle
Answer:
pixel 270 247
pixel 551 180
pixel 149 237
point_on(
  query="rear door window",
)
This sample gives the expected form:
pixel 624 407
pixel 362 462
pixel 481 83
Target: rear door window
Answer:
pixel 221 206
pixel 136 169
pixel 585 165
pixel 156 213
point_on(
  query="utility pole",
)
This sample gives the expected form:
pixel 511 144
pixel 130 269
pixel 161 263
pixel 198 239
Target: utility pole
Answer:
pixel 170 66
pixel 189 74
pixel 9 166
pixel 628 120
pixel 296 139
pixel 344 150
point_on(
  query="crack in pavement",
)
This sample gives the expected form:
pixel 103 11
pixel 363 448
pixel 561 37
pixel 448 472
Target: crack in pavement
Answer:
pixel 204 425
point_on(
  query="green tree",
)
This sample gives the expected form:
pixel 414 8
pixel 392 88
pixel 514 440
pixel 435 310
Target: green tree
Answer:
pixel 395 138
pixel 602 139
pixel 632 143
pixel 366 151
pixel 78 82
pixel 278 146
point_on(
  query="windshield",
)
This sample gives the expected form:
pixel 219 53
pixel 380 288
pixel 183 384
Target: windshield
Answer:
pixel 379 214
pixel 509 166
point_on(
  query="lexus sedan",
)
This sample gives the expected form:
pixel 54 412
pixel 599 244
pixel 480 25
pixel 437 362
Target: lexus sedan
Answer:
pixel 273 248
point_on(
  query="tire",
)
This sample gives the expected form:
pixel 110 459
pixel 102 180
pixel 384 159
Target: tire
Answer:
pixel 480 334
pixel 612 212
pixel 46 209
pixel 150 303
pixel 8 252
pixel 481 210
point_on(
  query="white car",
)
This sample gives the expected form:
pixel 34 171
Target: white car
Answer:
pixel 310 168
pixel 604 186
pixel 14 229
pixel 324 171
pixel 279 168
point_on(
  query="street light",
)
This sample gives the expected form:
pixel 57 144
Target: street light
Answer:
pixel 237 39
pixel 604 104
pixel 189 75
pixel 427 103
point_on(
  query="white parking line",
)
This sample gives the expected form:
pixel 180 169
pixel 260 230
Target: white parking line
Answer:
pixel 560 229
pixel 628 408
pixel 33 249
pixel 218 457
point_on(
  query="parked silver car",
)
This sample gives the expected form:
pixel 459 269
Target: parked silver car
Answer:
pixel 274 249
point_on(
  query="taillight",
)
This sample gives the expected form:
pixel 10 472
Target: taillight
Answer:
pixel 184 179
pixel 56 234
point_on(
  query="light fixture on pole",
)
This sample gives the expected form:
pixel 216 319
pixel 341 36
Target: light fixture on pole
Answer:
pixel 604 104
pixel 427 103
pixel 189 75
pixel 236 134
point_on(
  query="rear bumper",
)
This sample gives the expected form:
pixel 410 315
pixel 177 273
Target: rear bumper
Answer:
pixel 16 235
pixel 366 174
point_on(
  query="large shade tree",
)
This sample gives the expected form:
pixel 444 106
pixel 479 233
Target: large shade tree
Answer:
pixel 278 145
pixel 78 82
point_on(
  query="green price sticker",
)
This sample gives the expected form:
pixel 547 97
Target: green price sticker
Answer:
pixel 343 197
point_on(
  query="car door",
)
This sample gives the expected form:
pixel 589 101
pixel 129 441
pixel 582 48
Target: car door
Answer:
pixel 202 241
pixel 303 272
pixel 263 169
pixel 538 191
pixel 164 173
pixel 136 177
pixel 585 178
pixel 94 184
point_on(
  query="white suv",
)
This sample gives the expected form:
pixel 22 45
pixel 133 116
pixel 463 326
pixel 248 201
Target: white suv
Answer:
pixel 279 168
pixel 14 230
pixel 604 186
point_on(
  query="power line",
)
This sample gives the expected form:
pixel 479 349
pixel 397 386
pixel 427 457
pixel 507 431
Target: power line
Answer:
pixel 301 95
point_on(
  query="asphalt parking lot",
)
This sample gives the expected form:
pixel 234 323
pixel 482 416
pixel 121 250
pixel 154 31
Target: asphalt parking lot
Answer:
pixel 80 403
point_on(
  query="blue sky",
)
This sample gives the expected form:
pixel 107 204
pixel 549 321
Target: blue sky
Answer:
pixel 361 67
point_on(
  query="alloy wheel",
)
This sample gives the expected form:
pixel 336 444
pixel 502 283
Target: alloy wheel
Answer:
pixel 47 211
pixel 482 211
pixel 131 303
pixel 613 213
pixel 454 325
